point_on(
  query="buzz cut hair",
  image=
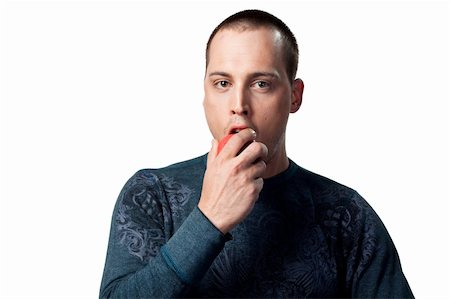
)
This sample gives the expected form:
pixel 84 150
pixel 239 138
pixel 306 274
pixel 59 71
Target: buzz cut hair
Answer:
pixel 253 19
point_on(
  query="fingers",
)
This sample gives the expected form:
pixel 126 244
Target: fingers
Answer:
pixel 242 146
pixel 259 184
pixel 233 180
pixel 212 152
pixel 257 170
pixel 254 152
pixel 238 141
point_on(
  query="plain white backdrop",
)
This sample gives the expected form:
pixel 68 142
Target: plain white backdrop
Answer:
pixel 92 91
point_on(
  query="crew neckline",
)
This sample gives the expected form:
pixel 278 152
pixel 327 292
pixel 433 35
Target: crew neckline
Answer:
pixel 282 176
pixel 276 179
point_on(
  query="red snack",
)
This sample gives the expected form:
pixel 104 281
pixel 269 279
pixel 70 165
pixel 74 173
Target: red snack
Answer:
pixel 222 142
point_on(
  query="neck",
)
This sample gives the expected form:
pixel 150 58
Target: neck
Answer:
pixel 276 164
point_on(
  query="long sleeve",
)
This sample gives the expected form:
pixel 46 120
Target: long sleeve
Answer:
pixel 143 259
pixel 373 265
pixel 367 263
pixel 306 237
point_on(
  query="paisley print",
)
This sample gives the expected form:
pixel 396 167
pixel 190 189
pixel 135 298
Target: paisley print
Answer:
pixel 144 212
pixel 177 194
pixel 306 237
pixel 350 230
pixel 279 254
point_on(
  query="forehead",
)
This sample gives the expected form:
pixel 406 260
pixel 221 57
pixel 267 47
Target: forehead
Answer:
pixel 257 47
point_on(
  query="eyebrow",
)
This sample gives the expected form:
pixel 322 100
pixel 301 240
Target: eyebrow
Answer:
pixel 222 74
pixel 255 74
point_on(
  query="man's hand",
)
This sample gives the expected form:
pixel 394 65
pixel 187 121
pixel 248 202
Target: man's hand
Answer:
pixel 233 180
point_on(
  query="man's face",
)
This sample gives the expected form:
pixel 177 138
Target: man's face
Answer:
pixel 246 85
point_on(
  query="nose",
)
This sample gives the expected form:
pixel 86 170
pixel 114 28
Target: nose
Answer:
pixel 239 104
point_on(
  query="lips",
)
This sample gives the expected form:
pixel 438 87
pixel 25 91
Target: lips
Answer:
pixel 237 129
pixel 233 130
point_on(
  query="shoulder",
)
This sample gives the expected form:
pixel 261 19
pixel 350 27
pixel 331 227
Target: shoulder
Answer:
pixel 350 225
pixel 153 177
pixel 336 206
pixel 150 189
pixel 327 196
pixel 151 200
pixel 323 187
pixel 180 169
pixel 341 212
pixel 325 192
pixel 154 180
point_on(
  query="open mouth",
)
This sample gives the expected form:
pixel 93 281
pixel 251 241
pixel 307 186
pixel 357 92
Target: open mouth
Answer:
pixel 236 130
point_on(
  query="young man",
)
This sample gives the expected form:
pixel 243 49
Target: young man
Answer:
pixel 246 221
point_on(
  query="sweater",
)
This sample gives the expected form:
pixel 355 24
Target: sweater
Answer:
pixel 306 237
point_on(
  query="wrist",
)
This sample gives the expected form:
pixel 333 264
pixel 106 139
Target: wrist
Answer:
pixel 219 225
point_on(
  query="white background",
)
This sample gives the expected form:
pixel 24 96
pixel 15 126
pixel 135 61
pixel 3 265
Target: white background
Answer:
pixel 92 91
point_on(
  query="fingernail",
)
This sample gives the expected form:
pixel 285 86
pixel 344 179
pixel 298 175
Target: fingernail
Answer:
pixel 253 134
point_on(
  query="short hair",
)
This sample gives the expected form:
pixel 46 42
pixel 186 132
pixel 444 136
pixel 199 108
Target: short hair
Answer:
pixel 252 19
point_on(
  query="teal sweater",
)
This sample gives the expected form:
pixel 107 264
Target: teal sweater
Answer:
pixel 307 236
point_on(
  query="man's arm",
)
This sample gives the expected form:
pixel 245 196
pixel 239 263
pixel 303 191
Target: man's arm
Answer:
pixel 142 261
pixel 376 264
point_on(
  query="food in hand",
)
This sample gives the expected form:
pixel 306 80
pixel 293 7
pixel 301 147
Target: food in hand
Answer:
pixel 223 141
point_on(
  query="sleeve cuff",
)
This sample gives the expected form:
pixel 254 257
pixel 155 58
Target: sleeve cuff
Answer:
pixel 194 246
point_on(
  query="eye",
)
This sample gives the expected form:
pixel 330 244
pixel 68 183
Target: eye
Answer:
pixel 262 85
pixel 222 84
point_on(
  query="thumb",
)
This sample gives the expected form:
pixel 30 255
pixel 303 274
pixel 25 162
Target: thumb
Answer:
pixel 212 152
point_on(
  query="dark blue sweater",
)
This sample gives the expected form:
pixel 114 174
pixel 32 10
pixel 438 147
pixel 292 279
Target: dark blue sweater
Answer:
pixel 307 236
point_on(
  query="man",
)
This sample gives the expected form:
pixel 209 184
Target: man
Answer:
pixel 247 221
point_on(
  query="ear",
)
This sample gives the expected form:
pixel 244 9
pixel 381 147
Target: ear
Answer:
pixel 297 95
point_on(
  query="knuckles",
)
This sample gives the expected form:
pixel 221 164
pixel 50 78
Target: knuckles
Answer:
pixel 236 169
pixel 258 149
pixel 255 188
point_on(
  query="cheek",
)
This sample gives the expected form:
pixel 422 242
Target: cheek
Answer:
pixel 214 118
pixel 275 114
pixel 273 122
